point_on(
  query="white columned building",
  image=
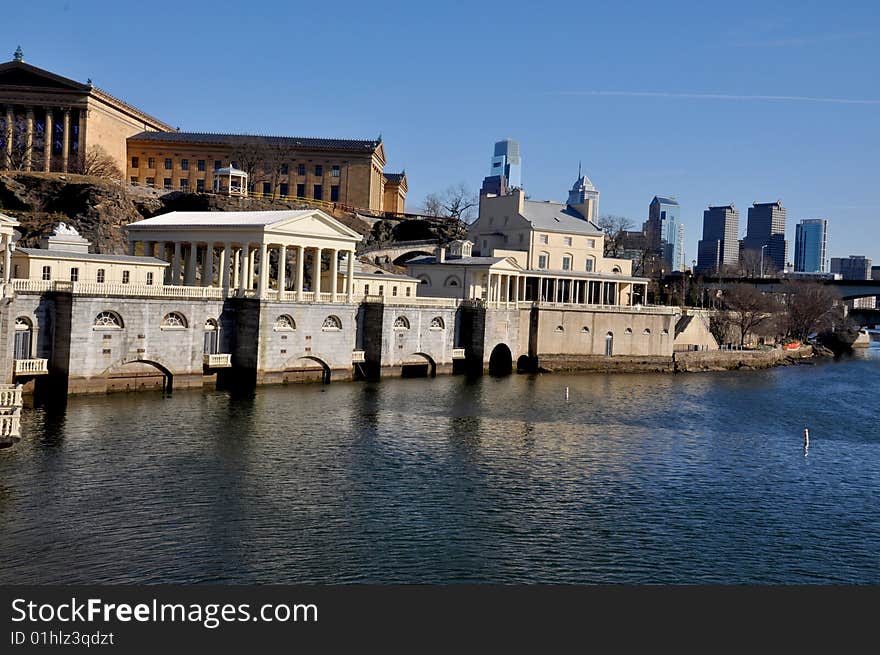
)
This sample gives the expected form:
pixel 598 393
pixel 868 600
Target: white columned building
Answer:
pixel 246 265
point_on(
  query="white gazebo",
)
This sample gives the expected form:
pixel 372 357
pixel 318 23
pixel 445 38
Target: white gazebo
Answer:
pixel 230 181
pixel 289 255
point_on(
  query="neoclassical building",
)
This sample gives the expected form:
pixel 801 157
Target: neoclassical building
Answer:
pixel 50 121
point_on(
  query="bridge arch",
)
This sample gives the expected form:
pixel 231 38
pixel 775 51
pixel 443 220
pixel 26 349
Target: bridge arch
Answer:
pixel 308 363
pixel 156 362
pixel 419 365
pixel 501 360
pixel 403 258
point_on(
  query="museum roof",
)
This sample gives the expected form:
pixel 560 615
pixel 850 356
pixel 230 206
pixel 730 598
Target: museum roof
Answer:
pixel 348 145
pixel 90 256
pixel 554 216
pixel 458 261
pixel 221 219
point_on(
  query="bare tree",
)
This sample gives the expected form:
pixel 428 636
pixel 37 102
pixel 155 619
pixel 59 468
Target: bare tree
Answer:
pixel 614 228
pixel 750 308
pixel 98 163
pixel 809 307
pixel 275 160
pixel 457 201
pixel 250 157
pixel 750 262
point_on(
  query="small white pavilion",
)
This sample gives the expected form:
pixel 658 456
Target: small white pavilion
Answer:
pixel 273 255
pixel 231 181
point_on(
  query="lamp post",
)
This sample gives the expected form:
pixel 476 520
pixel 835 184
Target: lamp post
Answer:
pixel 762 259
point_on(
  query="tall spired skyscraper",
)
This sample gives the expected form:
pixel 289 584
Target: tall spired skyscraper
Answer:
pixel 584 197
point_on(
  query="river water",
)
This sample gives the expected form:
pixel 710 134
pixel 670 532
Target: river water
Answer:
pixel 694 478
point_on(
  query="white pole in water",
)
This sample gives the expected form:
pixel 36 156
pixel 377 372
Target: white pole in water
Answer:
pixel 806 438
pixel 566 393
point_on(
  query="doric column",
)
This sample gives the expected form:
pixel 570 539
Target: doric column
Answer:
pixel 497 288
pixel 208 265
pixel 282 269
pixel 7 257
pixel 81 138
pixel 300 261
pixel 349 286
pixel 263 280
pixel 10 134
pixel 28 138
pixel 507 290
pixel 191 264
pixel 225 265
pixel 175 265
pixel 334 272
pixel 251 267
pixel 316 273
pixel 65 141
pixel 47 142
pixel 243 282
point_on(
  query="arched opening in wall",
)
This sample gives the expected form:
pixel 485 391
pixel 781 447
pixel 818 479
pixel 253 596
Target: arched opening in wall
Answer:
pixel 609 344
pixel 405 257
pixel 138 375
pixel 24 334
pixel 307 369
pixel 418 365
pixel 501 360
pixel 526 364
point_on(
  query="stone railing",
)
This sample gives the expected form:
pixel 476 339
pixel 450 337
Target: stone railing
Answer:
pixel 458 353
pixel 358 356
pixel 633 309
pixel 115 289
pixel 417 301
pixel 31 366
pixel 10 396
pixel 10 426
pixel 218 360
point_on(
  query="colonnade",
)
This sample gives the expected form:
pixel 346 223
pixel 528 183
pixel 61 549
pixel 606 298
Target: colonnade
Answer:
pixel 6 245
pixel 244 269
pixel 505 289
pixel 19 146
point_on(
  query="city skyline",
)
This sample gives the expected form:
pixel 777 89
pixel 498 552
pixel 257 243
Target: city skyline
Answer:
pixel 743 82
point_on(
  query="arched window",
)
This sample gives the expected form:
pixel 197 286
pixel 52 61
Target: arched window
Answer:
pixel 331 324
pixel 647 332
pixel 174 321
pixel 591 264
pixel 401 323
pixel 616 269
pixel 212 337
pixel 585 330
pixel 437 323
pixel 664 332
pixel 24 331
pixel 628 331
pixel 424 279
pixel 559 328
pixel 544 260
pixel 566 262
pixel 108 321
pixel 284 323
pixel 452 281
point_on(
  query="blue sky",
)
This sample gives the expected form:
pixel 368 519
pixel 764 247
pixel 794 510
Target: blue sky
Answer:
pixel 734 103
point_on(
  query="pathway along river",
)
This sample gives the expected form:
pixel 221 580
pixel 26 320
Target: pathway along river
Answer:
pixel 696 478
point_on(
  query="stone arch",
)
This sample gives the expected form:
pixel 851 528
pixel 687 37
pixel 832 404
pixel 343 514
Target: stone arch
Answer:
pixel 300 363
pixel 452 281
pixel 426 367
pixel 403 258
pixel 156 362
pixel 501 360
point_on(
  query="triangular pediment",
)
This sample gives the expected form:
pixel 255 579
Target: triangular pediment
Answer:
pixel 316 223
pixel 8 221
pixel 18 73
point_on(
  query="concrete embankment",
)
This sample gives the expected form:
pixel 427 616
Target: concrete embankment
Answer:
pixel 597 364
pixel 728 360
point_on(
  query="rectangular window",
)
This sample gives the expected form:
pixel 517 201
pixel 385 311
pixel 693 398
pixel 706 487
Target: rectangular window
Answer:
pixel 543 238
pixel 100 276
pixel 47 272
pixel 149 278
pixel 184 164
pixel 334 193
pixel 381 289
pixel 301 169
pixel 167 164
pixel 589 264
pixel 366 289
pixel 319 192
pixel 135 162
pixel 393 291
pixel 166 182
pixel 267 188
pixel 542 261
pixel 334 172
pixel 217 164
pixel 408 290
pixel 184 184
pixel 566 263
pixel 200 185
pixel 200 165
pixel 284 169
pixel 283 189
pixel 126 276
pixel 133 179
pixel 151 162
pixel 300 190
pixel 74 274
pixel 319 170
pixel 151 181
pixel 566 241
pixel 591 243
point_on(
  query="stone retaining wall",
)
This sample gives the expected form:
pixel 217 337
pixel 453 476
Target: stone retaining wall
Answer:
pixel 727 360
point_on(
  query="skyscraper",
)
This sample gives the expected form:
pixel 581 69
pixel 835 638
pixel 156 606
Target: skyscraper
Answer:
pixel 506 164
pixel 766 230
pixel 665 233
pixel 719 246
pixel 584 197
pixel 809 245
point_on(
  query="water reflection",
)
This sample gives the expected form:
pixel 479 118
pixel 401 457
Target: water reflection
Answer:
pixel 633 478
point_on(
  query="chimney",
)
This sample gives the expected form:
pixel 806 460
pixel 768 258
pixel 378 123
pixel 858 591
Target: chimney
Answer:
pixel 441 254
